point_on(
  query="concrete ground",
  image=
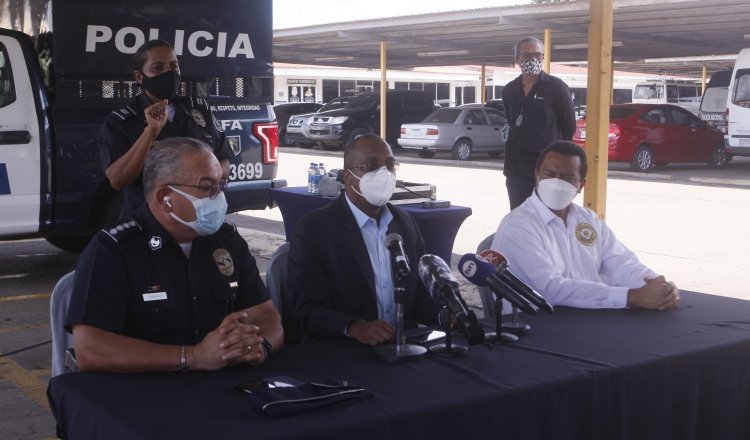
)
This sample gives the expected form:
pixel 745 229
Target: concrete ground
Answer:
pixel 694 234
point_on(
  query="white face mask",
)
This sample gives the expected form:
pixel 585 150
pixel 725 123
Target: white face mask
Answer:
pixel 556 194
pixel 376 186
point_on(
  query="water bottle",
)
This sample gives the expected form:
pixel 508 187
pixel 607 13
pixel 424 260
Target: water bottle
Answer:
pixel 311 172
pixel 319 170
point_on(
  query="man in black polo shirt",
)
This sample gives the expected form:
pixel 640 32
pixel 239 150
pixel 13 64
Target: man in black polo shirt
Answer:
pixel 175 287
pixel 539 110
pixel 156 114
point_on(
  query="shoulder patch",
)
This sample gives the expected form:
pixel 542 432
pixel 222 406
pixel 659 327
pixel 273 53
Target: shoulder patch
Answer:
pixel 123 229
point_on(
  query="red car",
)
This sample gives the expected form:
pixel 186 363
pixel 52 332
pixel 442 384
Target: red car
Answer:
pixel 655 134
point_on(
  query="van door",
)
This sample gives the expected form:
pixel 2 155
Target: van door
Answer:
pixel 19 143
pixel 738 111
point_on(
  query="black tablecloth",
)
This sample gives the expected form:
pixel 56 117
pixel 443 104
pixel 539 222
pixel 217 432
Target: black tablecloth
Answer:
pixel 439 226
pixel 580 374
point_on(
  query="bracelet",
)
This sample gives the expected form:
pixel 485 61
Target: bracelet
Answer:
pixel 183 358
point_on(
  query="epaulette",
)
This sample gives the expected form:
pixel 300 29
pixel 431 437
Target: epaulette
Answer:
pixel 124 113
pixel 123 229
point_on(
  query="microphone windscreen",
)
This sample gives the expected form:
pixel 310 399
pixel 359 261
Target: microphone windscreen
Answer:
pixel 475 269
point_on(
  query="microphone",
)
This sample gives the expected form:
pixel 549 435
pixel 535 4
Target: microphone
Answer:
pixel 502 270
pixel 482 273
pixel 437 277
pixel 394 243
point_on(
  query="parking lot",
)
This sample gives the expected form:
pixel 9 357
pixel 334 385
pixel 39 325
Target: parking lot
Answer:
pixel 685 221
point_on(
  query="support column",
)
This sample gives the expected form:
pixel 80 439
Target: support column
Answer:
pixel 383 89
pixel 483 94
pixel 547 49
pixel 703 80
pixel 597 104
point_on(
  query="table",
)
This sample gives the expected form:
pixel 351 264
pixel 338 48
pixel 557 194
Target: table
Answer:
pixel 580 374
pixel 439 226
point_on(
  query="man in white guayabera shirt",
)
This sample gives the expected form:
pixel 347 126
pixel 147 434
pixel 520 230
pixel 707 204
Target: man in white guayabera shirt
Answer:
pixel 566 253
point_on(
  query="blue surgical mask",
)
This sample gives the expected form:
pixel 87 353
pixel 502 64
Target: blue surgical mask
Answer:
pixel 209 213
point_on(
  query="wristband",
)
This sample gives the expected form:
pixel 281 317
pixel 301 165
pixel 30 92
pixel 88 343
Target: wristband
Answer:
pixel 183 358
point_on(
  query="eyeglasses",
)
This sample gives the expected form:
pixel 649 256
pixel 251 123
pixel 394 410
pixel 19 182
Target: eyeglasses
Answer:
pixel 392 166
pixel 213 191
pixel 532 55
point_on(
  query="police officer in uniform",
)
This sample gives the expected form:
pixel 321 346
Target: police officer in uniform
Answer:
pixel 157 113
pixel 175 287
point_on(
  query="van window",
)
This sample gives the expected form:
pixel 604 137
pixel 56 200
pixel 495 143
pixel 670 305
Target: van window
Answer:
pixel 714 100
pixel 648 91
pixel 741 95
pixel 7 90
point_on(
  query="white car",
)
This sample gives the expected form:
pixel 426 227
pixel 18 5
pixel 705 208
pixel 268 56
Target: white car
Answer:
pixel 460 130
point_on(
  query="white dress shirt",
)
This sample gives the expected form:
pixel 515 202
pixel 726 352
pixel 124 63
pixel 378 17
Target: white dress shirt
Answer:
pixel 374 235
pixel 578 265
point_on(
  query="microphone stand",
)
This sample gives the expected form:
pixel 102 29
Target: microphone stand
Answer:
pixel 448 348
pixel 400 351
pixel 515 326
pixel 504 338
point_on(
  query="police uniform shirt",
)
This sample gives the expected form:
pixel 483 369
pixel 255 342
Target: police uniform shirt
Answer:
pixel 133 279
pixel 544 115
pixel 578 264
pixel 123 127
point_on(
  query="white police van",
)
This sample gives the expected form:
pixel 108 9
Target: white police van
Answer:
pixel 738 107
pixel 72 65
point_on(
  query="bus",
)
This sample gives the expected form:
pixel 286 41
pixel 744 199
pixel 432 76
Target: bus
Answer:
pixel 685 94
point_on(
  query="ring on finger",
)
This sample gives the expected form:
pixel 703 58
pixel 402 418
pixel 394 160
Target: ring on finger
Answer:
pixel 249 348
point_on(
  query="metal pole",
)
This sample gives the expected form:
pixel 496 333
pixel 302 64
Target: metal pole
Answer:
pixel 383 88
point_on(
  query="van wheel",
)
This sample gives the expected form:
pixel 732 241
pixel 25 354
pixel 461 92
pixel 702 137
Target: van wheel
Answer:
pixel 462 149
pixel 643 159
pixel 426 154
pixel 285 140
pixel 718 157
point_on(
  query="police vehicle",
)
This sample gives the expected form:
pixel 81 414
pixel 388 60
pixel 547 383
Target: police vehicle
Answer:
pixel 64 65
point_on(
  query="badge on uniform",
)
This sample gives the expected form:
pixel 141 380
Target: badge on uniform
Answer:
pixel 224 262
pixel 154 243
pixel 234 144
pixel 198 118
pixel 586 234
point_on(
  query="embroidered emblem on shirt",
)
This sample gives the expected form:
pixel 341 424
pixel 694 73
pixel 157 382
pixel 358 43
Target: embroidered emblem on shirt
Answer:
pixel 224 262
pixel 198 117
pixel 217 124
pixel 234 144
pixel 154 243
pixel 586 234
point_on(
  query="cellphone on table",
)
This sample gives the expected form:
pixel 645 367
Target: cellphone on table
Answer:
pixel 426 337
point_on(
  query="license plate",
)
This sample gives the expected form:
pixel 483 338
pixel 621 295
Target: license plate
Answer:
pixel 414 132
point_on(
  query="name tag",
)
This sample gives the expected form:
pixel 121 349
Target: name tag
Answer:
pixel 154 296
pixel 234 284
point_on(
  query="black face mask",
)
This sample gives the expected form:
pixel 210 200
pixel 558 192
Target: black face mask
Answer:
pixel 163 86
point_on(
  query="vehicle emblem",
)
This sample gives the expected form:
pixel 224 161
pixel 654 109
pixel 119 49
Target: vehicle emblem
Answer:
pixel 198 118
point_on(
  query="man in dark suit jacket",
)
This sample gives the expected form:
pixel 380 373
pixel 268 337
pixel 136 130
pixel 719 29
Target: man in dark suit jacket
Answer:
pixel 339 268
